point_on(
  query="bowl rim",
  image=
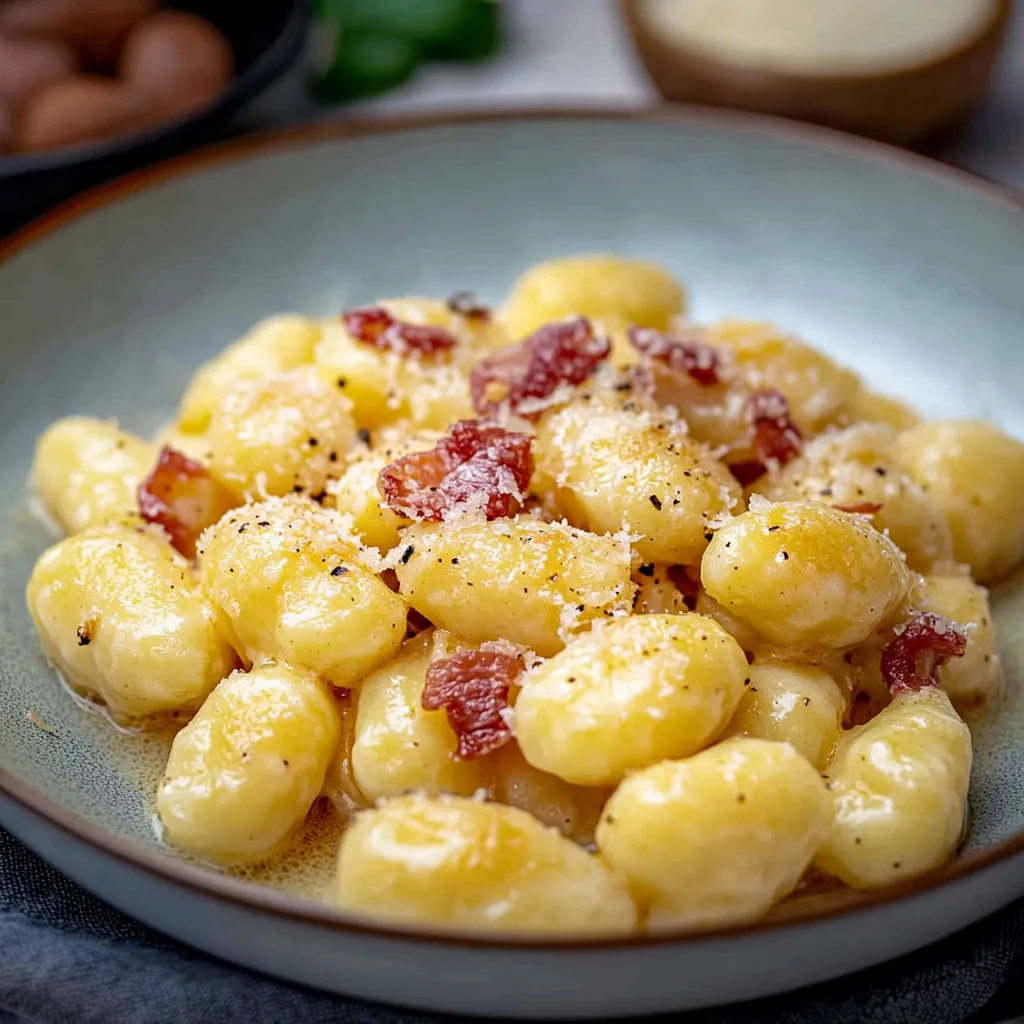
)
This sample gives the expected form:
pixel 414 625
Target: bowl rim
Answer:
pixel 264 69
pixel 208 881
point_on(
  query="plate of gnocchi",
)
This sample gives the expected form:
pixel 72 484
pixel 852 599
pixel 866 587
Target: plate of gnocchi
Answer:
pixel 462 563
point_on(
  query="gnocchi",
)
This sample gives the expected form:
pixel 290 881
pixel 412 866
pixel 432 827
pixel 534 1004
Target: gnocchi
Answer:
pixel 286 579
pixel 975 474
pixel 608 469
pixel 273 346
pixel 521 579
pixel 899 786
pixel 609 289
pixel 454 861
pixel 801 705
pixel 121 616
pixel 717 838
pixel 280 434
pixel 858 468
pixel 385 387
pixel 805 575
pixel 628 695
pixel 243 773
pixel 397 746
pixel 560 617
pixel 87 472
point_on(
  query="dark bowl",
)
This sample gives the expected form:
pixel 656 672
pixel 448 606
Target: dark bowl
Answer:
pixel 266 36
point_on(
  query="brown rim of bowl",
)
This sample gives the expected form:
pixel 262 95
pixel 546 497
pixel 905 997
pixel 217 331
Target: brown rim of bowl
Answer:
pixel 252 896
pixel 997 23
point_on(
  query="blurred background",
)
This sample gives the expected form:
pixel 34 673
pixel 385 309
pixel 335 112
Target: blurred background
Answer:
pixel 90 89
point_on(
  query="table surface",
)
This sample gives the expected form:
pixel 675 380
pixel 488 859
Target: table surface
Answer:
pixel 578 53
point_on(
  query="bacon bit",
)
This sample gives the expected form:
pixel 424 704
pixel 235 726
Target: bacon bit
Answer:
pixel 864 508
pixel 181 496
pixel 473 463
pixel 376 326
pixel 465 304
pixel 689 588
pixel 776 438
pixel 521 377
pixel 911 661
pixel 691 358
pixel 473 687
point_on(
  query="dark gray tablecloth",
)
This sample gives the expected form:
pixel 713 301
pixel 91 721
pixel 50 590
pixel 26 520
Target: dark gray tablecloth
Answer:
pixel 67 958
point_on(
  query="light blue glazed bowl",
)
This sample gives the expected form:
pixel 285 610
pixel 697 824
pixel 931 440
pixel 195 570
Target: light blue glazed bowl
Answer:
pixel 909 272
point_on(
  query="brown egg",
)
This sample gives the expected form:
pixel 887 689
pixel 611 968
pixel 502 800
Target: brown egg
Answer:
pixel 95 28
pixel 79 110
pixel 178 60
pixel 29 65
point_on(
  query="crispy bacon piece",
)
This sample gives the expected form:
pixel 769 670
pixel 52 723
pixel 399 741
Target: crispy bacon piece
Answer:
pixel 465 304
pixel 475 464
pixel 473 687
pixel 691 358
pixel 912 659
pixel 863 508
pixel 522 377
pixel 776 438
pixel 181 496
pixel 376 326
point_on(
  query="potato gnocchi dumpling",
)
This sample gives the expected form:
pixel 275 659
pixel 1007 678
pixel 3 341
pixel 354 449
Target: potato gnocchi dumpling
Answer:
pixel 121 616
pixel 717 838
pixel 797 704
pixel 87 472
pixel 519 579
pixel 874 407
pixel 818 390
pixel 975 474
pixel 478 330
pixel 273 346
pixel 288 582
pixel 464 863
pixel 281 434
pixel 244 772
pixel 859 468
pixel 617 292
pixel 397 746
pixel 609 469
pixel 388 387
pixel 569 616
pixel 803 574
pixel 629 694
pixel 899 786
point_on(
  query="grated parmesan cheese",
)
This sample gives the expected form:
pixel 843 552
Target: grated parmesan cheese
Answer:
pixel 834 37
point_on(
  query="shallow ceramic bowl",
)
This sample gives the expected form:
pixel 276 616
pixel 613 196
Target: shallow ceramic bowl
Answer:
pixel 907 271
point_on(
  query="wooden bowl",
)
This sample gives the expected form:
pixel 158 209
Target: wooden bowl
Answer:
pixel 911 107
